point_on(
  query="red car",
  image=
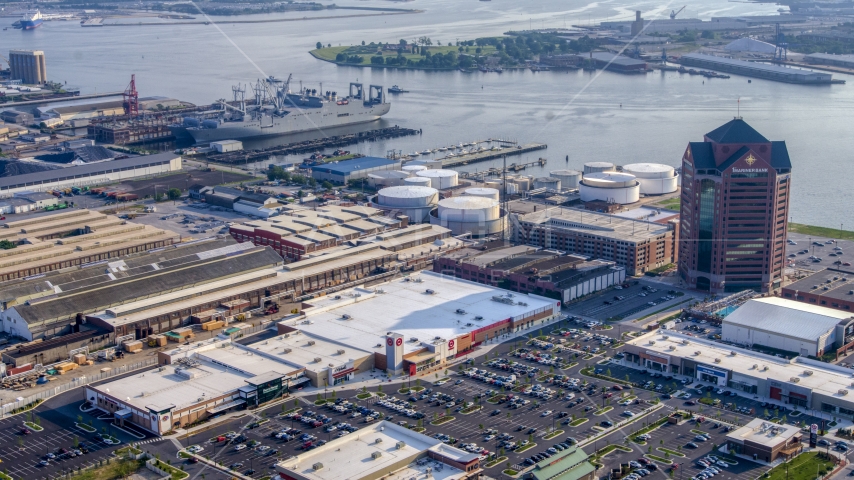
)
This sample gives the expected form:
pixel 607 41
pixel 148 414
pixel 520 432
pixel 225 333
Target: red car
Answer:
pixel 608 395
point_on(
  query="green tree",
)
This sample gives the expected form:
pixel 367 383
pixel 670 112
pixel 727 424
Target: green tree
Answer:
pixel 7 245
pixel 174 194
pixel 327 185
pixel 319 45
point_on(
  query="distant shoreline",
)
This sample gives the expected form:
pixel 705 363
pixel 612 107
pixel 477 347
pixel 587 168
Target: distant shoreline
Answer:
pixel 271 20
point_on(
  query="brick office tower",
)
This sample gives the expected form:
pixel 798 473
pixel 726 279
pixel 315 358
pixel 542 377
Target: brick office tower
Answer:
pixel 735 205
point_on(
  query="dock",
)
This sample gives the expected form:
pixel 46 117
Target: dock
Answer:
pixel 492 155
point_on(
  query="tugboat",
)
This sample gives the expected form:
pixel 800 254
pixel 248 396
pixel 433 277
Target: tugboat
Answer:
pixel 396 89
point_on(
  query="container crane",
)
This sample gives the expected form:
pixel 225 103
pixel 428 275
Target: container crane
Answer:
pixel 673 13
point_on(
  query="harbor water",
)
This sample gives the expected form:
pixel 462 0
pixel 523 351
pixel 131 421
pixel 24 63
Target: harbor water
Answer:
pixel 589 116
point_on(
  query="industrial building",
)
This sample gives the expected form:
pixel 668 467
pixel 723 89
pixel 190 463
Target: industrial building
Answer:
pixel 28 66
pixel 71 238
pixel 17 117
pixel 844 61
pixel 530 269
pixel 91 174
pixel 800 382
pixel 734 210
pixel 225 146
pixel 611 187
pixel 382 450
pixel 470 215
pixel 764 441
pixel 344 171
pixel 637 245
pixel 255 204
pixel 777 73
pixel 111 108
pixel 654 178
pixel 787 325
pixel 747 44
pixel 416 202
pixel 831 288
pixel 419 322
pixel 617 63
pixel 27 202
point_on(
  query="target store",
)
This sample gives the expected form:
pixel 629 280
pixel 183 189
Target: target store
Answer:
pixel 421 322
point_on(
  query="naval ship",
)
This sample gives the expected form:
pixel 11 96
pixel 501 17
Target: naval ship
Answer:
pixel 278 111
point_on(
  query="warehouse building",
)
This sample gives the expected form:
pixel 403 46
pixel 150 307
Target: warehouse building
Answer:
pixel 529 269
pixel 635 244
pixel 617 63
pixel 764 441
pixel 91 174
pixel 344 171
pixel 787 325
pixel 844 61
pixel 72 238
pixel 382 450
pixel 27 202
pixel 800 382
pixel 831 288
pixel 418 323
pixel 766 71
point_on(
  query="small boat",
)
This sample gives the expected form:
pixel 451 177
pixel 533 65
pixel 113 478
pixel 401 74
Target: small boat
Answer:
pixel 451 154
pixel 443 149
pixel 426 152
pixel 413 154
pixel 460 146
pixel 464 152
pixel 396 89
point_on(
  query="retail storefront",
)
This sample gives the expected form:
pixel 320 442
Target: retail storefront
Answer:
pixel 264 388
pixel 709 374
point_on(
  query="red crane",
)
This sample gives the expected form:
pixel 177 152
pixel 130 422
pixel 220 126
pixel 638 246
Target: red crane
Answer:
pixel 130 98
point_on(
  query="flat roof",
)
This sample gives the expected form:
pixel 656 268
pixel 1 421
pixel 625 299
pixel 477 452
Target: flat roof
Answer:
pixel 830 283
pixel 823 378
pixel 490 257
pixel 615 59
pixel 648 213
pixel 780 316
pixel 295 349
pixel 764 433
pixel 596 224
pixel 82 171
pixel 830 56
pixel 756 66
pixel 405 307
pixel 347 167
pixel 370 450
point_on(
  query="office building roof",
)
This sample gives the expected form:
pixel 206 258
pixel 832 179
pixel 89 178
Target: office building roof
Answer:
pixel 736 131
pixel 596 224
pixel 347 167
pixel 780 316
pixel 404 306
pixel 759 431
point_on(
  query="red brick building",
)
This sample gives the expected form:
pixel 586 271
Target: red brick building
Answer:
pixel 735 205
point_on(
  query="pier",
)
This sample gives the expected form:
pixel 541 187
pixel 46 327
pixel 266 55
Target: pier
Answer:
pixel 493 154
pixel 310 146
pixel 512 168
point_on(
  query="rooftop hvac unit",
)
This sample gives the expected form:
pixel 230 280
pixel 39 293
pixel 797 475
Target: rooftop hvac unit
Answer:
pixel 287 350
pixel 437 338
pixel 523 304
pixel 842 392
pixel 652 342
pixel 717 360
pixel 478 317
pixel 317 360
pixel 764 368
pixel 399 445
pixel 341 351
pixel 311 342
pixel 794 379
pixel 413 339
pixel 378 345
pixel 418 280
pixel 461 311
pixel 317 466
pixel 379 440
pixel 376 455
pixel 755 366
pixel 337 297
pixel 664 337
pixel 808 372
pixel 429 291
pixel 346 316
pixel 185 373
pixel 697 352
pixel 685 342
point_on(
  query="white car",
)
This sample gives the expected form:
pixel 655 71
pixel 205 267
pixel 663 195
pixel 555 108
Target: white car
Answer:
pixel 546 413
pixel 440 383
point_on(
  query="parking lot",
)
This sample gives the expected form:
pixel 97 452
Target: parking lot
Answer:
pixel 817 253
pixel 628 300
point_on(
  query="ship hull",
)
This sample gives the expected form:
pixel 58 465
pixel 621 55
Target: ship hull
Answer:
pixel 31 24
pixel 331 115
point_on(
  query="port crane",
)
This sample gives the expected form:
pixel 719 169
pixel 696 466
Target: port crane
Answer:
pixel 673 13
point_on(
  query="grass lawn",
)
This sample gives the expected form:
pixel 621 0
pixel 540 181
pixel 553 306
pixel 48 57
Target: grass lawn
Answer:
pixel 509 471
pixel 132 450
pixel 175 473
pixel 112 471
pixel 671 203
pixel 802 467
pixel 32 426
pixel 367 51
pixel 825 232
pixel 577 422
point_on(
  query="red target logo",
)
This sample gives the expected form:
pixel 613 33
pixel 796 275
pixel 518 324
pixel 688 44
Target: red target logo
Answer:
pixel 389 342
pixel 451 345
pixel 399 342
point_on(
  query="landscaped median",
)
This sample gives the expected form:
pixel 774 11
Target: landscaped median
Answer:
pixel 670 452
pixel 442 420
pixel 83 426
pixel 603 411
pixel 496 462
pixel 610 448
pixel 526 447
pixel 33 426
pixel 552 435
pixel 471 409
pixel 577 422
pixel 169 470
pixel 803 467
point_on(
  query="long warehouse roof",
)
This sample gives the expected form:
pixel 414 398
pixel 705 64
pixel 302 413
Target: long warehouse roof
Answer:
pixel 786 317
pixel 84 171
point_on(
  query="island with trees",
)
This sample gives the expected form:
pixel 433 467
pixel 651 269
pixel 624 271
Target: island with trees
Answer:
pixel 512 50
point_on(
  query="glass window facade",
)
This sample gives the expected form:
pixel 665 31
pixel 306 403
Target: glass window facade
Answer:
pixel 706 225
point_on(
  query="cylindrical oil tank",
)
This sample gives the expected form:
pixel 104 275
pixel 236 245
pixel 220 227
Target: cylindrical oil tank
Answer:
pixel 523 183
pixel 622 188
pixel 413 168
pixel 654 178
pixel 414 201
pixel 418 181
pixel 548 183
pixel 568 178
pixel 386 178
pixel 478 216
pixel 492 193
pixel 492 184
pixel 440 179
pixel 595 167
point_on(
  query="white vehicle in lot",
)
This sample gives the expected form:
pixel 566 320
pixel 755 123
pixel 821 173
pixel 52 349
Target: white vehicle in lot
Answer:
pixel 240 447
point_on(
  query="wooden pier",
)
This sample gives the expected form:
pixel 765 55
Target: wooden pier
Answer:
pixel 493 154
pixel 512 168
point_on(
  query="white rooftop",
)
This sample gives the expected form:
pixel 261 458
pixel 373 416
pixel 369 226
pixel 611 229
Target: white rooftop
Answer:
pixel 352 456
pixel 764 433
pixel 647 213
pixel 295 349
pixel 823 378
pixel 786 317
pixel 405 307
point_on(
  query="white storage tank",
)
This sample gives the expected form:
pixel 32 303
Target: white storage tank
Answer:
pixel 478 216
pixel 548 183
pixel 413 168
pixel 596 167
pixel 654 178
pixel 440 179
pixel 491 184
pixel 386 178
pixel 492 193
pixel 414 201
pixel 417 181
pixel 622 188
pixel 568 178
